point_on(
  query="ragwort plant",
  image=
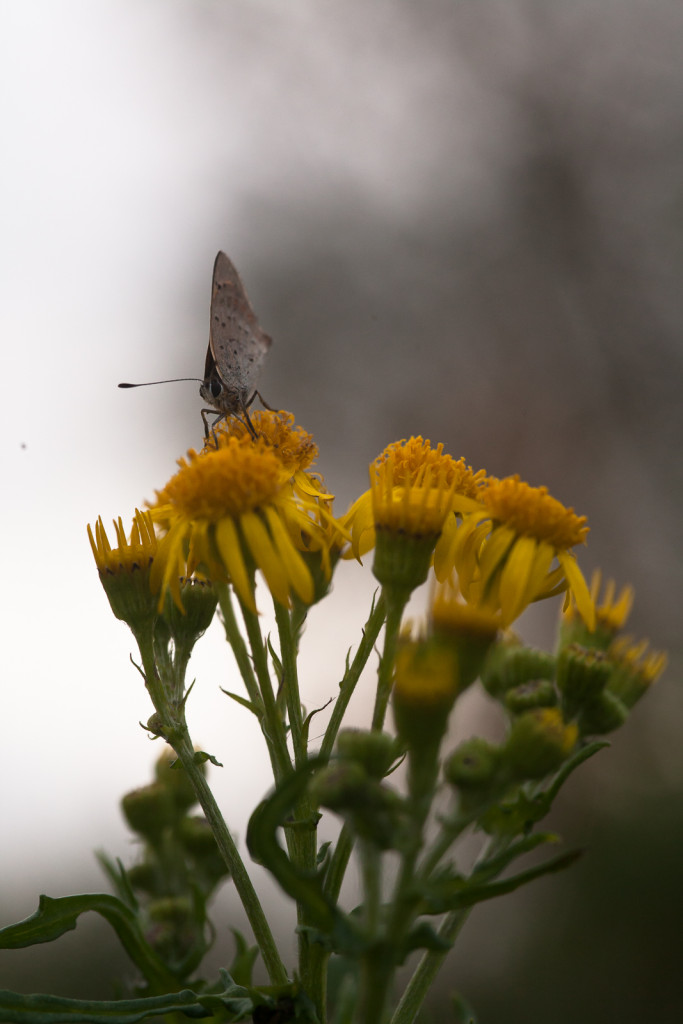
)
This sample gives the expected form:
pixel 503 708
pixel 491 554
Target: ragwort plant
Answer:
pixel 250 506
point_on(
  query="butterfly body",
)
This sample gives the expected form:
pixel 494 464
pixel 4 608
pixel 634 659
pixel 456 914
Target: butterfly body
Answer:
pixel 237 345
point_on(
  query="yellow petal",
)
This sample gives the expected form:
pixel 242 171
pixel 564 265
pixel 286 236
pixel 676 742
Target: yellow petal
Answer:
pixel 516 573
pixel 265 555
pixel 578 587
pixel 297 570
pixel 230 549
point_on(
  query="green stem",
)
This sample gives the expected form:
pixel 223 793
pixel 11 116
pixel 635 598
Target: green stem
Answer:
pixel 290 681
pixel 431 962
pixel 338 863
pixel 427 970
pixel 348 684
pixel 236 641
pixel 172 714
pixel 302 846
pixel 385 675
pixel 273 726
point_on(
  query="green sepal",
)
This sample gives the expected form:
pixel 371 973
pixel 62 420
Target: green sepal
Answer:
pixel 16 1008
pixel 54 917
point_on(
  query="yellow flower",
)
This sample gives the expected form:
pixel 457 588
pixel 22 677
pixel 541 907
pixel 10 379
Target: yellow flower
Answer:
pixel 235 509
pixel 125 570
pixel 414 489
pixel 470 629
pixel 635 669
pixel 613 611
pixel 129 556
pixel 451 615
pixel 412 492
pixel 426 684
pixel 504 549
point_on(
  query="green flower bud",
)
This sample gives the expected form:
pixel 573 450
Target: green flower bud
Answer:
pixel 339 785
pixel 197 838
pixel 170 773
pixel 509 663
pixel 373 811
pixel 581 676
pixel 474 765
pixel 199 602
pixel 538 743
pixel 540 693
pixel 149 810
pixel 145 877
pixel 375 751
pixel 603 714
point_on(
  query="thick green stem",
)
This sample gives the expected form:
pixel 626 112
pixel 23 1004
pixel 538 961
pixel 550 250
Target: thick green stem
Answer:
pixel 348 684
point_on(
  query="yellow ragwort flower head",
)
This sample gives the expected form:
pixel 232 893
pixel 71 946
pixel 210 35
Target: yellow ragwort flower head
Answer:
pixel 235 509
pixel 635 668
pixel 295 446
pixel 129 556
pixel 413 490
pixel 612 612
pixel 125 570
pixel 505 549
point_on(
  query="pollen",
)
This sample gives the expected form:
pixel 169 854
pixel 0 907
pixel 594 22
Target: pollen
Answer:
pixel 294 446
pixel 533 512
pixel 231 481
pixel 415 463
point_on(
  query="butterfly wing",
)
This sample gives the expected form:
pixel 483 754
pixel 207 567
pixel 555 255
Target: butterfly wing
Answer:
pixel 237 343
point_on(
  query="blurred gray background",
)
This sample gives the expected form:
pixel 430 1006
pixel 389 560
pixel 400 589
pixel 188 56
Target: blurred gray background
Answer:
pixel 457 219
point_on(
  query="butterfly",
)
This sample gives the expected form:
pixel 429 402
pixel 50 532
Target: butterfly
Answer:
pixel 237 348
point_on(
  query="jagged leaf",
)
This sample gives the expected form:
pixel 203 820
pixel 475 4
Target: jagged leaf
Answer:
pixel 54 917
pixel 43 1009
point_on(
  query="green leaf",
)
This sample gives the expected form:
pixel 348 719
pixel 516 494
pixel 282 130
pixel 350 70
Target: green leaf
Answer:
pixel 272 814
pixel 54 917
pixel 118 876
pixel 423 936
pixel 243 961
pixel 201 757
pixel 258 711
pixel 42 1009
pixel 469 893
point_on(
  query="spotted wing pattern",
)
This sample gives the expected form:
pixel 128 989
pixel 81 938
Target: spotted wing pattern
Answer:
pixel 237 344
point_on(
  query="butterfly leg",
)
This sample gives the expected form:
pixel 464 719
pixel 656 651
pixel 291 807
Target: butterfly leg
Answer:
pixel 210 431
pixel 246 419
pixel 262 401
